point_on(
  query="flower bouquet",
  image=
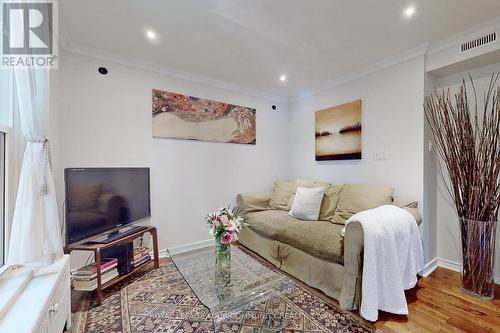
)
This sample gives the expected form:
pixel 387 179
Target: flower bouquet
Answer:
pixel 224 224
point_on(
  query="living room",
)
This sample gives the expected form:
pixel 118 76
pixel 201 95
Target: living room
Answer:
pixel 249 144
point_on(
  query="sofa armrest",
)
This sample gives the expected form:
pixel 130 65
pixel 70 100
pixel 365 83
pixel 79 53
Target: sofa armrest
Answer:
pixel 415 213
pixel 410 206
pixel 350 296
pixel 253 202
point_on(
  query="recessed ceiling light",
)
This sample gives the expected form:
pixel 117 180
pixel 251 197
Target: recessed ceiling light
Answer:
pixel 282 78
pixel 151 35
pixel 409 11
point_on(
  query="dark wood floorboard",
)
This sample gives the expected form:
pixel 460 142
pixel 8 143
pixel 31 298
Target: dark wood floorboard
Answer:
pixel 438 304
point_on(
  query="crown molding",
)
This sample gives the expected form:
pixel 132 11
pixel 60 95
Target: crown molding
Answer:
pixel 422 50
pixel 375 67
pixel 135 63
pixel 76 48
pixel 492 25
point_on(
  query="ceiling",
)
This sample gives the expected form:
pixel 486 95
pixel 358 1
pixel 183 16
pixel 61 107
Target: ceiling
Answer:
pixel 252 42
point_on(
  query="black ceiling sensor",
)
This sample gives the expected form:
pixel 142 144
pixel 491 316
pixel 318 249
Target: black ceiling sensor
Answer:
pixel 273 107
pixel 102 70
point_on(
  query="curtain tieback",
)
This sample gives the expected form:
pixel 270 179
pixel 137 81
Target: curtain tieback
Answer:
pixel 46 164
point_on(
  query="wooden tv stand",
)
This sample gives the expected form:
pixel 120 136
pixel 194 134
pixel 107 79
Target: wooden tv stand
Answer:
pixel 98 247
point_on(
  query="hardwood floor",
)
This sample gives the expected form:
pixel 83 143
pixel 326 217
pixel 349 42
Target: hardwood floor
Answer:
pixel 438 304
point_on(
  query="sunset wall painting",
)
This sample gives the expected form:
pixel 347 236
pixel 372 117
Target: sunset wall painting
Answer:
pixel 338 132
pixel 186 117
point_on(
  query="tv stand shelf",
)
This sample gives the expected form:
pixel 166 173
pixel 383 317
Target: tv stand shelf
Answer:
pixel 127 238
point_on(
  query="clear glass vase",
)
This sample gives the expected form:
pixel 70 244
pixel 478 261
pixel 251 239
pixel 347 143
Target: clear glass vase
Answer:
pixel 222 270
pixel 478 257
pixel 222 256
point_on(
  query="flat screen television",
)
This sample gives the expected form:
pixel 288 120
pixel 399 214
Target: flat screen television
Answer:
pixel 103 200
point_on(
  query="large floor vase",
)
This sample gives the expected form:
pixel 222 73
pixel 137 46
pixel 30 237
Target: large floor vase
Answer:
pixel 478 257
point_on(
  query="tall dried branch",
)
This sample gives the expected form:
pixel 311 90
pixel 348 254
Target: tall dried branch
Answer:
pixel 468 141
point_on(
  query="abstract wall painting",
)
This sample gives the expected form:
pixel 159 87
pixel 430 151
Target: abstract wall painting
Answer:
pixel 338 132
pixel 180 116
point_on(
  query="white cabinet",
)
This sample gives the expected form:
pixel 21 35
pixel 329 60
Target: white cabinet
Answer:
pixel 59 309
pixel 44 305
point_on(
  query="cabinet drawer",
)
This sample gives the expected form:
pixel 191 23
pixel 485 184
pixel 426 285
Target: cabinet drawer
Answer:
pixel 59 306
pixel 59 313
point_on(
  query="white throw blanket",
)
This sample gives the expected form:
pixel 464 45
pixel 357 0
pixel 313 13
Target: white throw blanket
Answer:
pixel 393 256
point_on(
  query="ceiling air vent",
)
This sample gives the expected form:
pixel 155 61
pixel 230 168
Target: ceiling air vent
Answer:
pixel 472 44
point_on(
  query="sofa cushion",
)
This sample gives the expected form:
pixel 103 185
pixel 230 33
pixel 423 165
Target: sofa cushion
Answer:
pixel 282 191
pixel 405 203
pixel 329 203
pixel 309 183
pixel 307 203
pixel 320 239
pixel 300 183
pixel 252 202
pixel 356 198
pixel 330 200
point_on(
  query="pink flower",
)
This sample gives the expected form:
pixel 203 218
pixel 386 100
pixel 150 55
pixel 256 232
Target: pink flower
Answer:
pixel 224 220
pixel 226 238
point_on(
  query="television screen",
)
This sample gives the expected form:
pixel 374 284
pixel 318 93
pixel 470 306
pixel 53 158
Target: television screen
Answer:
pixel 101 200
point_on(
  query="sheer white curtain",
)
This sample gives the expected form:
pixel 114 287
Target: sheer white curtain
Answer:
pixel 35 237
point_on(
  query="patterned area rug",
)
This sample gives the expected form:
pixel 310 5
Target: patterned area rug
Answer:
pixel 161 301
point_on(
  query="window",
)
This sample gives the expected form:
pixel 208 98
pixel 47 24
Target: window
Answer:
pixel 5 126
pixel 6 123
pixel 3 195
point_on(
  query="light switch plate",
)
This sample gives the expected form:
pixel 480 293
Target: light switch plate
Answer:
pixel 380 156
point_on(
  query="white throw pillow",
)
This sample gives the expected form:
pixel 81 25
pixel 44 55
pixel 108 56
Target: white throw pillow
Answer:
pixel 307 203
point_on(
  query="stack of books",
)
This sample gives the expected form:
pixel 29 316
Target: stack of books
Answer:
pixel 85 278
pixel 141 255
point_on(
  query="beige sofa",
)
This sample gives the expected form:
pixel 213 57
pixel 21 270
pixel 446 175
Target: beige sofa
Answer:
pixel 314 251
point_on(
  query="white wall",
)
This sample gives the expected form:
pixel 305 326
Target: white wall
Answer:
pixel 430 184
pixel 53 132
pixel 448 234
pixel 393 122
pixel 106 121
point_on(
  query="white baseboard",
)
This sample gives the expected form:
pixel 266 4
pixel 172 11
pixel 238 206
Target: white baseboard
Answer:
pixel 429 267
pixel 452 265
pixel 457 267
pixel 163 253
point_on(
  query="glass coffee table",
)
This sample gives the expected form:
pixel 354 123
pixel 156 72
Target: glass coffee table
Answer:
pixel 242 293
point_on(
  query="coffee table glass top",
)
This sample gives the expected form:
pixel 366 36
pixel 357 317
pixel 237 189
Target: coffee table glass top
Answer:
pixel 227 290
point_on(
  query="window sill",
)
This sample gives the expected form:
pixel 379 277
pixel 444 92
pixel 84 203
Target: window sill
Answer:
pixel 12 283
pixel 6 269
